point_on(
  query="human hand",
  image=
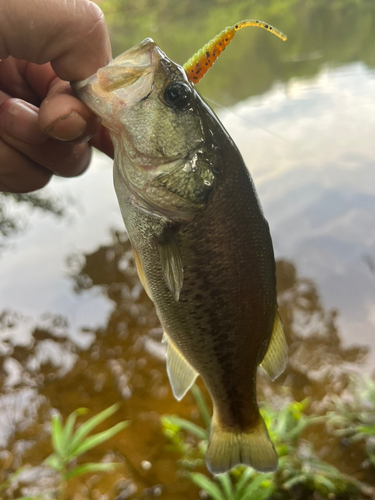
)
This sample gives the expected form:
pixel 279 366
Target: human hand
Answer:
pixel 44 44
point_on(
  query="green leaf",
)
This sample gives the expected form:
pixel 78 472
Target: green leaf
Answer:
pixel 299 427
pixel 68 429
pixel 207 485
pixel 247 474
pixel 367 429
pixel 325 482
pixel 54 461
pixel 203 409
pixel 11 478
pixel 299 478
pixel 29 498
pixel 56 432
pixel 226 484
pixel 371 457
pixel 91 467
pixel 254 490
pixel 188 426
pixel 97 439
pixel 90 425
pixel 325 467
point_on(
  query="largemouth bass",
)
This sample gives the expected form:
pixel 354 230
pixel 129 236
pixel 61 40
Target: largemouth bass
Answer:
pixel 201 243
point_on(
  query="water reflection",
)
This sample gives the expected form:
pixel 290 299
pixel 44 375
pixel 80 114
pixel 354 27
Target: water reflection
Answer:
pixel 125 362
pixel 319 363
pixel 10 220
pixel 320 34
pixel 309 145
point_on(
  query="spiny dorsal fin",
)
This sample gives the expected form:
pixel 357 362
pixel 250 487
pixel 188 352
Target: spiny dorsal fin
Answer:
pixel 276 356
pixel 181 374
pixel 171 263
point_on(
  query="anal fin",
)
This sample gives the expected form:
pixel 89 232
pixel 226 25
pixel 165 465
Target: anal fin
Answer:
pixel 276 356
pixel 181 374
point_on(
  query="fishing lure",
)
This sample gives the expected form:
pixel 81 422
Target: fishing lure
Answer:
pixel 198 65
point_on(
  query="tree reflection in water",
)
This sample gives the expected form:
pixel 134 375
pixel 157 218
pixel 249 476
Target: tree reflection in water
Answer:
pixel 318 362
pixel 10 221
pixel 124 361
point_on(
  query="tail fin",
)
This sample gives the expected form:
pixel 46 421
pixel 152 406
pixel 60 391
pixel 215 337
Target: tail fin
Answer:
pixel 227 449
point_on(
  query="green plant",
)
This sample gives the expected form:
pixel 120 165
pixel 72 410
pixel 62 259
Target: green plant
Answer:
pixel 352 416
pixel 249 486
pixel 70 442
pixel 300 471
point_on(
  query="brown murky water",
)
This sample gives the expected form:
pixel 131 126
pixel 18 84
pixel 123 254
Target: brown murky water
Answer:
pixel 76 327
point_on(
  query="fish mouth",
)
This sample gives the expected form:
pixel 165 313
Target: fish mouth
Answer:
pixel 130 76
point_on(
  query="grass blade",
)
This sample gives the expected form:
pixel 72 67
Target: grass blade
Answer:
pixel 226 484
pixel 97 439
pixel 55 462
pixel 68 428
pixel 56 434
pixel 188 426
pixel 29 498
pixel 199 399
pixel 325 482
pixel 12 477
pixel 90 425
pixel 207 485
pixel 369 429
pixel 254 491
pixel 244 479
pixel 91 467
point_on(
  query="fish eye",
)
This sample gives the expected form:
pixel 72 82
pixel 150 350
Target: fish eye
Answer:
pixel 177 95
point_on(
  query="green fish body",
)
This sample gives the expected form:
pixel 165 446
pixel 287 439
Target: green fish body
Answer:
pixel 202 245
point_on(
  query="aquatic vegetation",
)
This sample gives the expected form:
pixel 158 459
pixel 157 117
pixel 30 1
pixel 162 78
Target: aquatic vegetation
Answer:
pixel 352 416
pixel 69 443
pixel 300 473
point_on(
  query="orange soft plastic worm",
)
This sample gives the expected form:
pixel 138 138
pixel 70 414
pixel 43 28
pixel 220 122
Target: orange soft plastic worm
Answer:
pixel 198 65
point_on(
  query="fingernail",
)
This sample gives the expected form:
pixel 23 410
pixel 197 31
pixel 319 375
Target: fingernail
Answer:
pixel 67 128
pixel 20 122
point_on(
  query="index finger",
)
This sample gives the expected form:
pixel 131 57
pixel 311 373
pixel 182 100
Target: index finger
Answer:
pixel 71 34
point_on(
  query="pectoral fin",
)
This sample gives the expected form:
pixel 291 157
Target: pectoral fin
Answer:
pixel 171 263
pixel 276 356
pixel 181 374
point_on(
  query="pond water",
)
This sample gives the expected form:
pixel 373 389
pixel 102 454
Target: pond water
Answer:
pixel 76 327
